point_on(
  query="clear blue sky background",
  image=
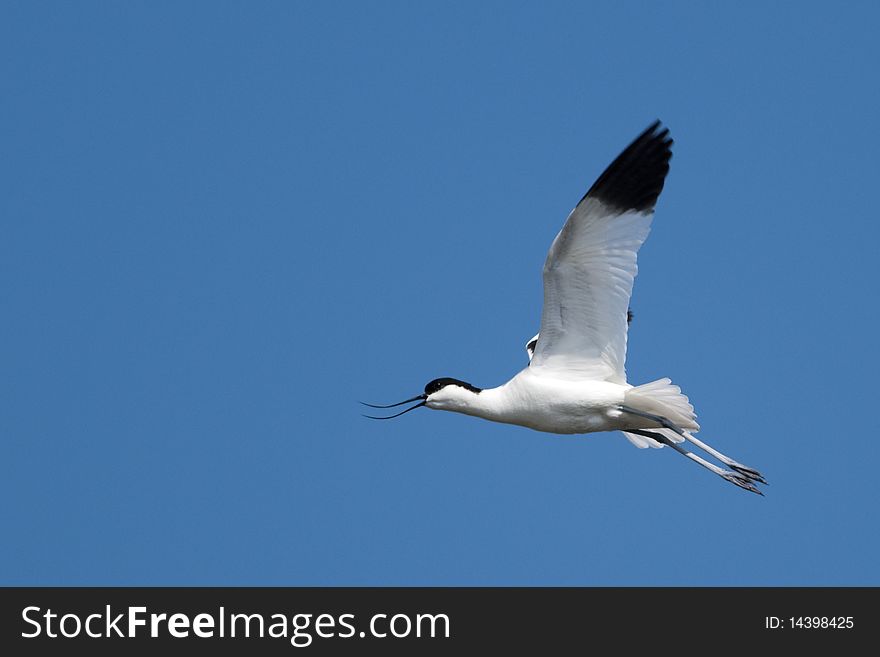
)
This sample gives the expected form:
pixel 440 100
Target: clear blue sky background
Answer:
pixel 225 223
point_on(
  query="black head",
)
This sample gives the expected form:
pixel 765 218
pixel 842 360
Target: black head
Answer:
pixel 435 386
pixel 439 384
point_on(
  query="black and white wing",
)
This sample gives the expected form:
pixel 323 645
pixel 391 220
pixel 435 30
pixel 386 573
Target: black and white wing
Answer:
pixel 589 271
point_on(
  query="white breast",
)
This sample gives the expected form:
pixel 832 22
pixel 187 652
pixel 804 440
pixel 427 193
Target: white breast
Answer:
pixel 554 405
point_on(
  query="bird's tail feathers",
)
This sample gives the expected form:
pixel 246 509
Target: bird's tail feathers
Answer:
pixel 662 397
pixel 643 442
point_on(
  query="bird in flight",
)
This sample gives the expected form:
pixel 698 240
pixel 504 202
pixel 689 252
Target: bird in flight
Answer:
pixel 575 381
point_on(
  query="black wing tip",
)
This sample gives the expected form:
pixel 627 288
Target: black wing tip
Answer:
pixel 634 180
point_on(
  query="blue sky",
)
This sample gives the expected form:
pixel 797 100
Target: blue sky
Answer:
pixel 225 223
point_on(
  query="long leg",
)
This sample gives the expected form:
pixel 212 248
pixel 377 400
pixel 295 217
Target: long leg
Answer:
pixel 733 477
pixel 751 473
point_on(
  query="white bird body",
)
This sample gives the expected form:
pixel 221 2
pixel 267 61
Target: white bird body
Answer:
pixel 575 382
pixel 558 405
pixel 541 403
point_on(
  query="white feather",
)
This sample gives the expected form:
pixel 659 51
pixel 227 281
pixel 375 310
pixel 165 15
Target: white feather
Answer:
pixel 588 281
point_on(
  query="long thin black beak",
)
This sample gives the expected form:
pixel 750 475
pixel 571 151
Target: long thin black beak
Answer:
pixel 407 401
pixel 411 408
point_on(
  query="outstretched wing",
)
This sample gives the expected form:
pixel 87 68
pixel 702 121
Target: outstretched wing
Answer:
pixel 533 342
pixel 589 272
